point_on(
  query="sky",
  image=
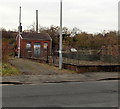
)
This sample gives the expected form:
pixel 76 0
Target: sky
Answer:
pixel 91 16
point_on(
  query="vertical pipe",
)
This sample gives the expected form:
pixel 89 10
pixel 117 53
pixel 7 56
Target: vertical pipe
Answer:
pixel 60 43
pixel 37 21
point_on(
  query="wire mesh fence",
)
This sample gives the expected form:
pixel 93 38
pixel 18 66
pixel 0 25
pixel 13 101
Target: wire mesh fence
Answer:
pixel 80 57
pixel 90 56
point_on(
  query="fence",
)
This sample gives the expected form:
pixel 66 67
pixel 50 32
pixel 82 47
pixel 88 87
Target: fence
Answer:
pixel 80 62
pixel 81 57
pixel 42 54
pixel 88 56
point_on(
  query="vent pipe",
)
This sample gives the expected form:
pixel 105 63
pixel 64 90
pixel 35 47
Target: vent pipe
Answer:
pixel 37 21
pixel 20 26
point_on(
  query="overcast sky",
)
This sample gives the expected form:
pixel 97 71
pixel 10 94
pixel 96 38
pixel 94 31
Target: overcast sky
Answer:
pixel 88 15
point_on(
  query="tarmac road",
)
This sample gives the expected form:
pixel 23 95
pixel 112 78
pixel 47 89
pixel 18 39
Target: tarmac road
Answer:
pixel 70 94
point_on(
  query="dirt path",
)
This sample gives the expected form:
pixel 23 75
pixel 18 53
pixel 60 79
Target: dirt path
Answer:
pixel 29 67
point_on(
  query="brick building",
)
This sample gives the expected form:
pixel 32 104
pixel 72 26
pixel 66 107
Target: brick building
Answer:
pixel 34 45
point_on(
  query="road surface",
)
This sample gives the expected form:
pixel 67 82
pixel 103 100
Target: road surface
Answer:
pixel 66 94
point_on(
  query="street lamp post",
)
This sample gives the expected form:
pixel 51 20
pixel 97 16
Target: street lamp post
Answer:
pixel 19 35
pixel 60 43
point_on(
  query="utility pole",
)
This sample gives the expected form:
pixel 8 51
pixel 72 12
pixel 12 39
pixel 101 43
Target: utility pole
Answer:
pixel 60 43
pixel 19 35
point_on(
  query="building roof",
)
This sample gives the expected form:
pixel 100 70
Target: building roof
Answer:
pixel 35 36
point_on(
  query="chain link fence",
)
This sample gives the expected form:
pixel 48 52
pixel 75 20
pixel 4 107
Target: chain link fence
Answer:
pixel 80 57
pixel 90 56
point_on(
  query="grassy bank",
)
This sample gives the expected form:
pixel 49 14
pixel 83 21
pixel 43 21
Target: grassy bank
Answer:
pixel 8 70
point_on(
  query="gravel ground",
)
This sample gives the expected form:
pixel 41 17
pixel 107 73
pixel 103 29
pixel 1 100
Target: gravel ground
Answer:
pixel 35 73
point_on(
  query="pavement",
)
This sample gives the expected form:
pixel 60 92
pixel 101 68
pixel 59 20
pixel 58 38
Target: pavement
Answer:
pixel 33 79
pixel 73 94
pixel 35 73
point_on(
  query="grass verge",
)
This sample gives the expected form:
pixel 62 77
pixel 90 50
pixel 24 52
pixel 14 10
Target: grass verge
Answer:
pixel 8 70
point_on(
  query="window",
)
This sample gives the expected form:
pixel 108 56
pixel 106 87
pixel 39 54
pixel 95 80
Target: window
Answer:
pixel 45 45
pixel 28 45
